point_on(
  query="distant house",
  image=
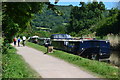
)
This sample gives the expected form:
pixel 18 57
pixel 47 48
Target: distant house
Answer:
pixel 43 29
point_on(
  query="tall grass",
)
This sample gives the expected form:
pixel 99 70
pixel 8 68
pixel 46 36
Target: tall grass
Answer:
pixel 102 69
pixel 114 41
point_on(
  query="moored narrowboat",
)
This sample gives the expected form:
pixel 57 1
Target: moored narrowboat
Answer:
pixel 87 48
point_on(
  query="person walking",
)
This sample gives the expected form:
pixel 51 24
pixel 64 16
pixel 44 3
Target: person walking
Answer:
pixel 18 41
pixel 24 38
pixel 14 40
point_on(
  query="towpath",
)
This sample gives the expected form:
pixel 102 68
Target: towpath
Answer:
pixel 50 67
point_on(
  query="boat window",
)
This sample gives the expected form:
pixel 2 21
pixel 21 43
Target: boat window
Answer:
pixel 104 44
pixel 71 44
pixel 87 44
pixel 66 43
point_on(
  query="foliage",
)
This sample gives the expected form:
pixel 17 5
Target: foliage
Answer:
pixel 85 16
pixel 14 66
pixel 79 21
pixel 48 19
pixel 44 34
pixel 92 17
pixel 109 25
pixel 16 17
pixel 59 29
pixel 102 69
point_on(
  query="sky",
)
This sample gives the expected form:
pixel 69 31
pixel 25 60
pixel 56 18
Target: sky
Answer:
pixel 108 4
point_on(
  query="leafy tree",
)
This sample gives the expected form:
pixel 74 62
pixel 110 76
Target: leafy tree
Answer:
pixel 59 29
pixel 113 11
pixel 17 16
pixel 110 24
pixel 85 16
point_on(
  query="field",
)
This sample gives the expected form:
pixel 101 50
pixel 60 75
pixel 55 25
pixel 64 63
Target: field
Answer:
pixel 101 69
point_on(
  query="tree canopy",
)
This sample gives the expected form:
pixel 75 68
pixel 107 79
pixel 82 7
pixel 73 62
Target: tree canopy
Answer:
pixel 93 18
pixel 17 16
pixel 85 16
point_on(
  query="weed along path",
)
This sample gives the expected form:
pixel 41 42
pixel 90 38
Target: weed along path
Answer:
pixel 50 67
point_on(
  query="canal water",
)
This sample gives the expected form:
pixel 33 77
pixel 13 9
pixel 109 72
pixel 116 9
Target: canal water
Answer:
pixel 115 58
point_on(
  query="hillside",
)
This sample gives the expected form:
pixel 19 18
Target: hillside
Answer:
pixel 49 19
pixel 79 21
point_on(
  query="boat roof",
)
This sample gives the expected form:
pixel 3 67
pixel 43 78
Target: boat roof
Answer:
pixel 59 34
pixel 70 40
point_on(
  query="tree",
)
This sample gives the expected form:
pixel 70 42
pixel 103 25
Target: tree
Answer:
pixel 110 24
pixel 17 16
pixel 85 16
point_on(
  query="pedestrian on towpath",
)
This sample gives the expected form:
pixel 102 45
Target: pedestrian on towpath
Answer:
pixel 14 40
pixel 18 41
pixel 24 38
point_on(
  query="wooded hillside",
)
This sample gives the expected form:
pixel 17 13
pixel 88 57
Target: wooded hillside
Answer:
pixel 49 19
pixel 79 21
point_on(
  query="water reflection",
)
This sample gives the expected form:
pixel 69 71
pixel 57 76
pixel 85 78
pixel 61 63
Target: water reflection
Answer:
pixel 115 58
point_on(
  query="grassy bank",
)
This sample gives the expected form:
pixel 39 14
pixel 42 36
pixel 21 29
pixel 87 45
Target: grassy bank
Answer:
pixel 15 67
pixel 38 47
pixel 102 69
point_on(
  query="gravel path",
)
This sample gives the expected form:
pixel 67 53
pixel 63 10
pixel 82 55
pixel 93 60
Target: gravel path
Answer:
pixel 50 67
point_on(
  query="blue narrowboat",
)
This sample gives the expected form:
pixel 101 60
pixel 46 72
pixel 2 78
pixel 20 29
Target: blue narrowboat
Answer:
pixel 92 49
pixel 60 36
pixel 40 41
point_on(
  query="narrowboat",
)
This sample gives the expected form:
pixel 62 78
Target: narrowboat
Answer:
pixel 40 41
pixel 87 48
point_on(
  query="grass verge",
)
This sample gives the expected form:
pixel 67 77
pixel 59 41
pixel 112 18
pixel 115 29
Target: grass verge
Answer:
pixel 102 69
pixel 36 46
pixel 13 66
